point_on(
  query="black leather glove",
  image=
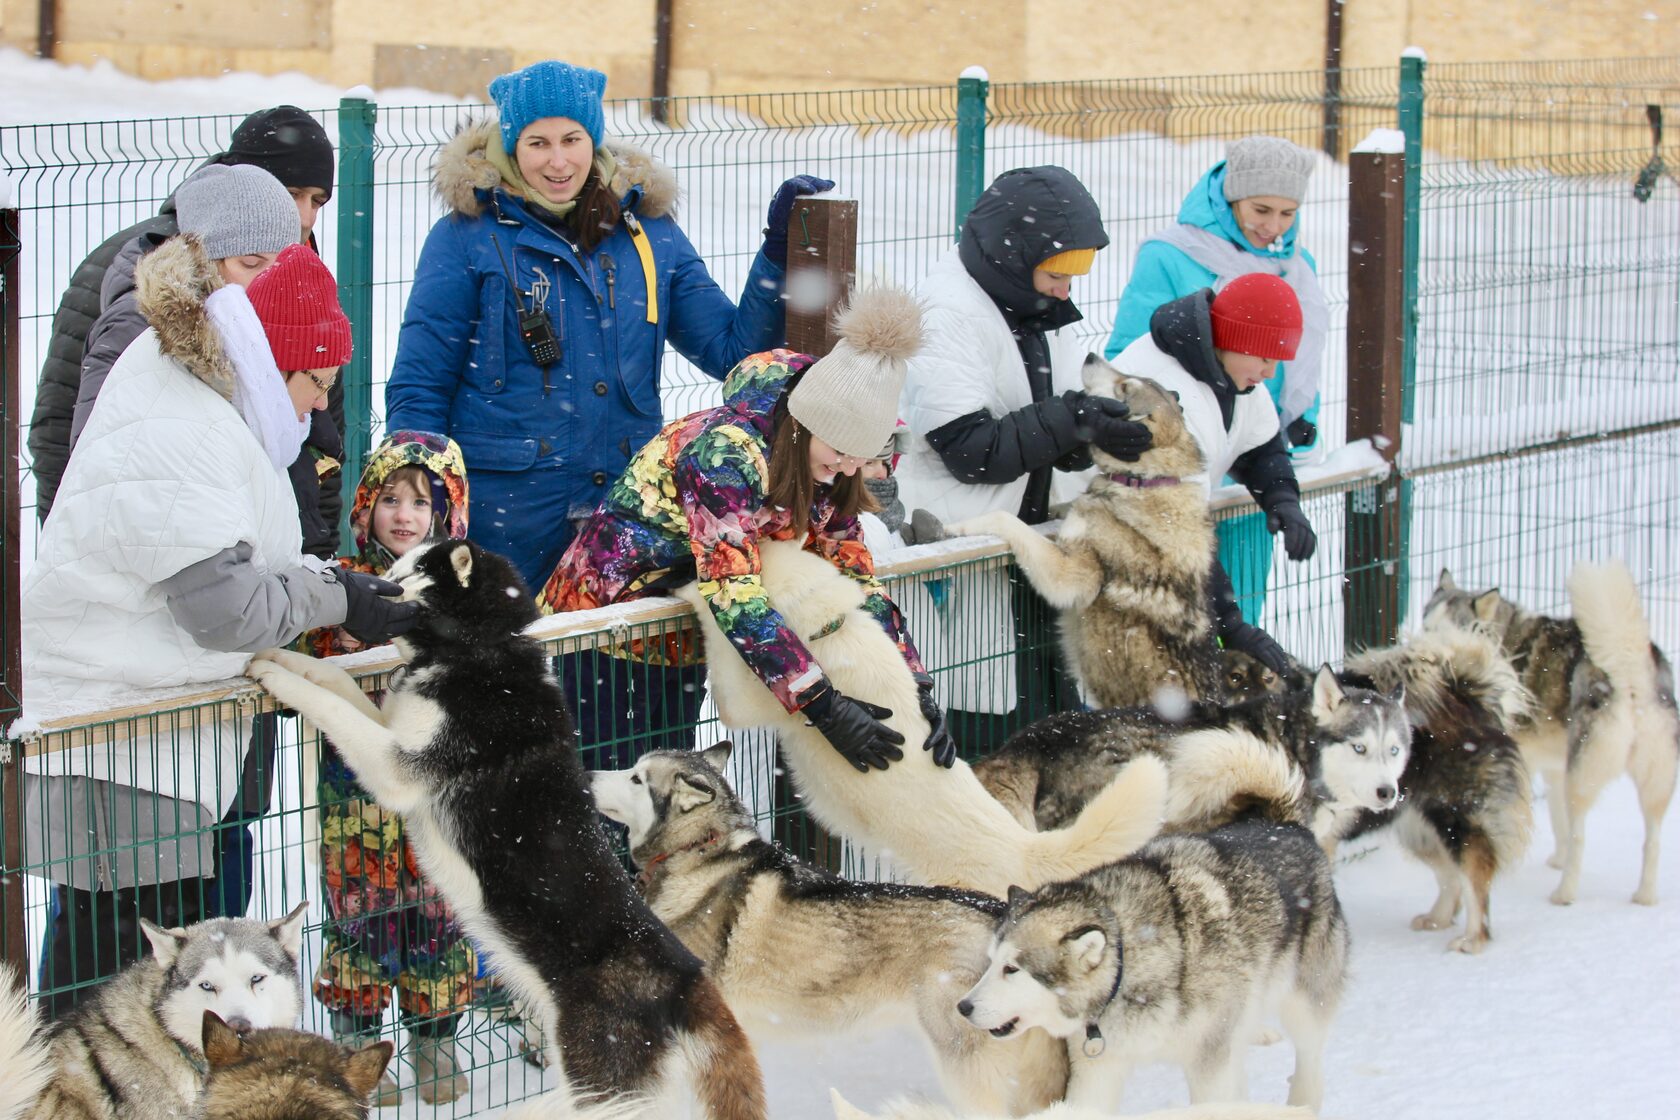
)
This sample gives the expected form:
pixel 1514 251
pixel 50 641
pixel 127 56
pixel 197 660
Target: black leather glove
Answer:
pixel 781 209
pixel 939 739
pixel 854 728
pixel 1301 432
pixel 1299 540
pixel 1105 423
pixel 372 614
pixel 1258 644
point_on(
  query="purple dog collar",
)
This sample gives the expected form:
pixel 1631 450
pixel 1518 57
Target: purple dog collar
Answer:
pixel 1138 482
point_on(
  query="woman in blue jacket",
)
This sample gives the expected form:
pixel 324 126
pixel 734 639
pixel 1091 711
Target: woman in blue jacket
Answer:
pixel 1240 218
pixel 542 305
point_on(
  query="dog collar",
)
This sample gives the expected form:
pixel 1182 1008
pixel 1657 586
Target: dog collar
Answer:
pixel 1094 1044
pixel 1139 482
pixel 645 876
pixel 828 628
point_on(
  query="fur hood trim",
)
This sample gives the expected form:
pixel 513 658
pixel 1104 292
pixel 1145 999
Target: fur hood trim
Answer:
pixel 172 282
pixel 462 171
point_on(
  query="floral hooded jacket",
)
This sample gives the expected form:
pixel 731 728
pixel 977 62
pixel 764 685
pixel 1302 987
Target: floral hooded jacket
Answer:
pixel 691 505
pixel 441 459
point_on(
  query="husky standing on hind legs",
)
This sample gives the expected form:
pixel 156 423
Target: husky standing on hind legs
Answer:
pixel 1604 704
pixel 474 747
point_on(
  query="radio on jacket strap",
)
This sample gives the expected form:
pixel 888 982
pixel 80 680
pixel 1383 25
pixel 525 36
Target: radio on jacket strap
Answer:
pixel 536 329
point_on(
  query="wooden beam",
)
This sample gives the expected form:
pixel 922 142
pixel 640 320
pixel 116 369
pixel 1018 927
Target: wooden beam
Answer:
pixel 821 270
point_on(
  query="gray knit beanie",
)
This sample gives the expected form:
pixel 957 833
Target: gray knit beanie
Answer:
pixel 1257 165
pixel 238 210
pixel 849 398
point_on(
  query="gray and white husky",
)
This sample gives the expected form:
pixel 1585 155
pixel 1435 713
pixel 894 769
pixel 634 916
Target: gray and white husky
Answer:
pixel 1176 954
pixel 132 1051
pixel 795 947
pixel 1604 703
pixel 1327 751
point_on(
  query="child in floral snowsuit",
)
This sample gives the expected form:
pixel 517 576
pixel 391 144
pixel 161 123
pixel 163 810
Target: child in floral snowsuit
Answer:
pixel 386 928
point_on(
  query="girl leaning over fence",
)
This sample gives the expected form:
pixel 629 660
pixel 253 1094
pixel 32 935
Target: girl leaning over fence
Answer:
pixel 387 930
pixel 542 304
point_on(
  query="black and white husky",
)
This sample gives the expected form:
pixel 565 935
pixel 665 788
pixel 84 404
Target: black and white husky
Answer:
pixel 474 747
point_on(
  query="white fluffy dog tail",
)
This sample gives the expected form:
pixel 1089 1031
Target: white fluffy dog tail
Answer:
pixel 1613 627
pixel 917 1110
pixel 1219 775
pixel 1121 819
pixel 23 1050
pixel 561 1105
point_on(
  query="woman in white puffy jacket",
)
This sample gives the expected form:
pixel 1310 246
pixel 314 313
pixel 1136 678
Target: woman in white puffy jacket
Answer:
pixel 172 553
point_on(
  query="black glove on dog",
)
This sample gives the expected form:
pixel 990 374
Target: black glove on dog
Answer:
pixel 1258 644
pixel 372 614
pixel 1106 424
pixel 854 728
pixel 1301 432
pixel 939 739
pixel 1299 540
pixel 781 209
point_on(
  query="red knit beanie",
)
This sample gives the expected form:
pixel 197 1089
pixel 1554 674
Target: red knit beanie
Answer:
pixel 297 300
pixel 1258 314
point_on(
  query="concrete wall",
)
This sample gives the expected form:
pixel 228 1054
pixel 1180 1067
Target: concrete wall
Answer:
pixel 744 46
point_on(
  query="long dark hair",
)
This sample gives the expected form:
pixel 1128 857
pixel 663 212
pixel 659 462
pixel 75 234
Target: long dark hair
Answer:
pixel 596 213
pixel 790 483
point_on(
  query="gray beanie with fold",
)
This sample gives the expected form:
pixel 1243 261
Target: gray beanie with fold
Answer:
pixel 238 210
pixel 1257 165
pixel 849 397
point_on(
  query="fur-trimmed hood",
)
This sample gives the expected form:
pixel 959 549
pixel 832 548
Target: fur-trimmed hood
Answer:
pixel 172 283
pixel 463 176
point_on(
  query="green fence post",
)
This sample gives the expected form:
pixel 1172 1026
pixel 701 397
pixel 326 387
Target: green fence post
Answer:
pixel 356 117
pixel 1412 65
pixel 972 87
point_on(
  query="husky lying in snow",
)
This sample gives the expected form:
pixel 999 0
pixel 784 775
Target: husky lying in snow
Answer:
pixel 796 947
pixel 1464 797
pixel 1129 570
pixel 131 1051
pixel 474 747
pixel 914 1110
pixel 1345 747
pixel 1604 704
pixel 1176 954
pixel 936 825
pixel 282 1074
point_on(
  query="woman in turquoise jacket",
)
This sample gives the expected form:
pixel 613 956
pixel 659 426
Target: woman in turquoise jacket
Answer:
pixel 543 302
pixel 1240 218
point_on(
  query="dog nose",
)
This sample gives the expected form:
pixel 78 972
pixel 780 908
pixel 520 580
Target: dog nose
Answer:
pixel 238 1024
pixel 1385 793
pixel 965 1009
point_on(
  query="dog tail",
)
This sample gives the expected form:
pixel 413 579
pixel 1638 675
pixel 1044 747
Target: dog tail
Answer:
pixel 1219 776
pixel 1613 628
pixel 727 1079
pixel 23 1050
pixel 906 1109
pixel 1121 819
pixel 561 1104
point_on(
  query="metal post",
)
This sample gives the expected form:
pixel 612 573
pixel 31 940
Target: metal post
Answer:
pixel 821 270
pixel 12 935
pixel 972 88
pixel 1411 125
pixel 662 24
pixel 1330 140
pixel 46 28
pixel 356 142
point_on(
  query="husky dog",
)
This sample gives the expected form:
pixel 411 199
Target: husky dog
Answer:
pixel 936 825
pixel 23 1051
pixel 131 1051
pixel 474 747
pixel 916 1110
pixel 1464 797
pixel 1604 703
pixel 282 1074
pixel 1176 954
pixel 1129 569
pixel 1328 752
pixel 796 947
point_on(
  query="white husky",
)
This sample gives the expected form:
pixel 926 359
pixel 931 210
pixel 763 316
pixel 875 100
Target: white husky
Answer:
pixel 914 1110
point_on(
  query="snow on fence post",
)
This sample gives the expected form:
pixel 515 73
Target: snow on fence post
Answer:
pixel 356 117
pixel 821 270
pixel 972 88
pixel 13 950
pixel 1374 560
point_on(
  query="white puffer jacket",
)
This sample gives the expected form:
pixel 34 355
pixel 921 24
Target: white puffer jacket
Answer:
pixel 166 474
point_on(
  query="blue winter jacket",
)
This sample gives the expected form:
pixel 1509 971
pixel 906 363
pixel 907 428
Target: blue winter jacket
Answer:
pixel 1163 273
pixel 541 446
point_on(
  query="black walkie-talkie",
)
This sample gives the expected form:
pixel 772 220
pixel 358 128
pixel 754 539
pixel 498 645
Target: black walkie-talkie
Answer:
pixel 535 327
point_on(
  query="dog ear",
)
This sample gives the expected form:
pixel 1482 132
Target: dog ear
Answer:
pixel 1327 694
pixel 288 931
pixel 717 755
pixel 691 793
pixel 222 1044
pixel 1445 583
pixel 1397 694
pixel 845 1109
pixel 460 558
pixel 166 943
pixel 1486 605
pixel 1088 944
pixel 362 1070
pixel 1018 896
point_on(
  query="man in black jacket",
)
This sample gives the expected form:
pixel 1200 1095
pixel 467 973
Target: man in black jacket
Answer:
pixel 96 320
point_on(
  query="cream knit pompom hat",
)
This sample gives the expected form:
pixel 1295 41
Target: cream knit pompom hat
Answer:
pixel 849 398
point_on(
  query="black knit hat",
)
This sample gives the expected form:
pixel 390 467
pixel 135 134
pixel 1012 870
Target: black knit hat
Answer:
pixel 286 142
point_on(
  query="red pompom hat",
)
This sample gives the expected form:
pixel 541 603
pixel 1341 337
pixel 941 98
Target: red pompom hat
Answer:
pixel 1258 314
pixel 297 300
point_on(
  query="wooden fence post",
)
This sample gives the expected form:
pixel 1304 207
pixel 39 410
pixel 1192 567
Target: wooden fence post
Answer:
pixel 821 270
pixel 12 935
pixel 1372 594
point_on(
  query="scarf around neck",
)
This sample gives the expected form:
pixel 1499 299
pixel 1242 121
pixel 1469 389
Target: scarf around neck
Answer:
pixel 259 388
pixel 514 183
